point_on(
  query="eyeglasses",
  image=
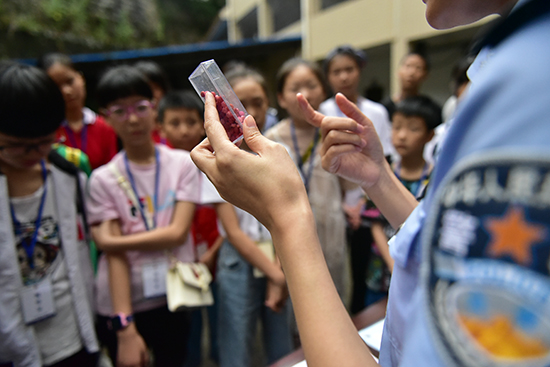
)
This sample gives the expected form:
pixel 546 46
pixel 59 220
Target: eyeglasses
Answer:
pixel 18 150
pixel 122 113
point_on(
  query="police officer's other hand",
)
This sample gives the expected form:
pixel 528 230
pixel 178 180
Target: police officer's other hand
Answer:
pixel 266 184
pixel 351 147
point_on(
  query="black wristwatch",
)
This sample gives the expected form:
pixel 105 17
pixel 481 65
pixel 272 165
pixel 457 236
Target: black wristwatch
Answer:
pixel 119 321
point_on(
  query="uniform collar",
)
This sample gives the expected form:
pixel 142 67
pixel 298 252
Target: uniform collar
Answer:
pixel 523 12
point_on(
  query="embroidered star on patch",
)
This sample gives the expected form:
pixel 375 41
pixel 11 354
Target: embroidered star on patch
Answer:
pixel 512 235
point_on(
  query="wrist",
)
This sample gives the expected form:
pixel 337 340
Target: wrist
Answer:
pixel 296 224
pixel 107 243
pixel 298 212
pixel 120 322
pixel 385 176
pixel 128 332
pixel 278 277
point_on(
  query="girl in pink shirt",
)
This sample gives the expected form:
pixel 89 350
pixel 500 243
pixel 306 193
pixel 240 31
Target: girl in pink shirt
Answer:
pixel 139 239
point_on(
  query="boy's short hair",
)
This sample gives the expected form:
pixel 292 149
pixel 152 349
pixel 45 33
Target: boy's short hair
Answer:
pixel 180 99
pixel 422 55
pixel 31 104
pixel 121 82
pixel 423 107
pixel 154 73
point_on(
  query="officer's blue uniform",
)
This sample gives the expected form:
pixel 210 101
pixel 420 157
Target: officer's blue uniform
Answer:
pixel 472 260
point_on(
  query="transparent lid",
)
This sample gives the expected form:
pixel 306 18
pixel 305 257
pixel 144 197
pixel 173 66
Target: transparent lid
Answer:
pixel 208 77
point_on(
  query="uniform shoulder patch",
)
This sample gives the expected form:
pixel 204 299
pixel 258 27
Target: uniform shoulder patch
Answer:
pixel 488 244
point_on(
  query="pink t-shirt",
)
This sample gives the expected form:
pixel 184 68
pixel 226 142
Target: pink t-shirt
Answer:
pixel 178 181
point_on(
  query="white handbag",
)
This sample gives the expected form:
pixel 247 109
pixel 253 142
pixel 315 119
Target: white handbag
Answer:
pixel 188 286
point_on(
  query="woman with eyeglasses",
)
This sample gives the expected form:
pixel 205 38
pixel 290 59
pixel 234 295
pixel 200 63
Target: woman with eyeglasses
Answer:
pixel 82 128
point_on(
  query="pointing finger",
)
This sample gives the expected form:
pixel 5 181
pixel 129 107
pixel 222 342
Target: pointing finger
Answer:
pixel 313 117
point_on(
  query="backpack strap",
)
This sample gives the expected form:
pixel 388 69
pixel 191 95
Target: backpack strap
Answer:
pixel 57 160
pixel 129 191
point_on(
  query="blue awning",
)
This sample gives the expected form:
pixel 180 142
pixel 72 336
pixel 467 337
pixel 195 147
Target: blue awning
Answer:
pixel 170 50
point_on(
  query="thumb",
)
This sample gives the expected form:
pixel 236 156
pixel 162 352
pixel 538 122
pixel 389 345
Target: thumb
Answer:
pixel 252 135
pixel 351 110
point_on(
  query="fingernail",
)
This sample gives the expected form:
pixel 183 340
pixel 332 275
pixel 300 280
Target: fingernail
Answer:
pixel 249 121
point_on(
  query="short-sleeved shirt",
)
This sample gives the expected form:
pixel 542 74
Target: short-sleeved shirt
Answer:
pixel 101 141
pixel 178 181
pixel 482 232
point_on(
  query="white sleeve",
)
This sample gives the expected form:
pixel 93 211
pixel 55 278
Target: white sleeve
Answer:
pixel 209 194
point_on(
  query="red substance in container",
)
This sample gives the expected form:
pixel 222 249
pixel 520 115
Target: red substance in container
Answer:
pixel 232 127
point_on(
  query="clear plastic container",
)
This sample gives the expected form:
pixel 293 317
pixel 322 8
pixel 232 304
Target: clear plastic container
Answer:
pixel 208 77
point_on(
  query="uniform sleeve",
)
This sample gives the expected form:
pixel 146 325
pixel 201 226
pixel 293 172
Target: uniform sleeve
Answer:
pixel 101 205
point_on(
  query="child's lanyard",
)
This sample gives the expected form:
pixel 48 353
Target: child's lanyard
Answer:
pixel 309 153
pixel 419 182
pixel 83 137
pixel 150 223
pixel 30 245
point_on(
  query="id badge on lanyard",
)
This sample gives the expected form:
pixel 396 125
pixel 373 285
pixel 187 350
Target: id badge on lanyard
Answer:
pixel 153 273
pixel 154 278
pixel 38 302
pixel 37 299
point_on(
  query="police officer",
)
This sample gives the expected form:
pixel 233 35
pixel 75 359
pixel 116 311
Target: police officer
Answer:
pixel 470 284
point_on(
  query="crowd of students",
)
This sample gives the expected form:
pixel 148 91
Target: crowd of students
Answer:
pixel 138 144
pixel 146 203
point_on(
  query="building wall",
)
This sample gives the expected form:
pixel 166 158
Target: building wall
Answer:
pixel 385 29
pixel 361 23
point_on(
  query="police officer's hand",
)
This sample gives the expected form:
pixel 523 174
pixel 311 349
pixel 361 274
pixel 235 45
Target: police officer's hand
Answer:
pixel 267 185
pixel 351 147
